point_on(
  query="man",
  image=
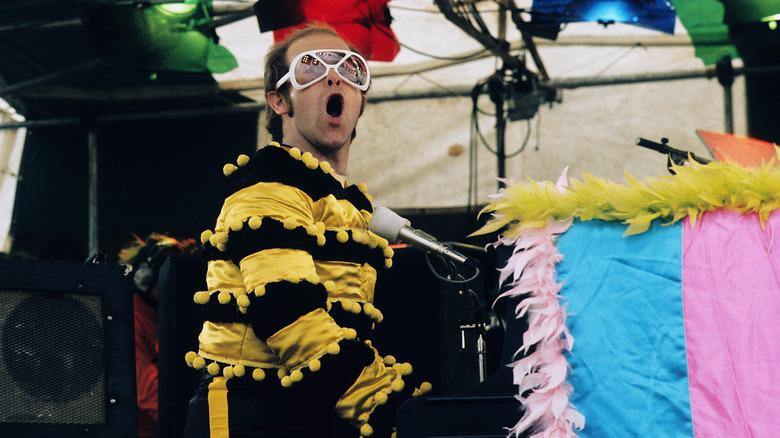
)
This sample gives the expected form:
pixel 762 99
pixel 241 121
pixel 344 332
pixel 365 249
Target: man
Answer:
pixel 292 266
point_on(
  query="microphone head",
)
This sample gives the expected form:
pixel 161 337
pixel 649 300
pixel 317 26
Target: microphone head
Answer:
pixel 386 223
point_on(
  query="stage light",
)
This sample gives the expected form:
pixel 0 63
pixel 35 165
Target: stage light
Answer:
pixel 745 12
pixel 176 36
pixel 652 14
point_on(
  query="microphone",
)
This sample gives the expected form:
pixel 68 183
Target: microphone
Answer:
pixel 386 223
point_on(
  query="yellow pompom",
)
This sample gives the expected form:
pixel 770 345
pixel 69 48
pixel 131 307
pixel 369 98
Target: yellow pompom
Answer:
pixel 366 430
pixel 199 363
pixel 205 236
pixel 320 227
pixel 315 365
pixel 380 398
pixel 389 360
pixel 213 240
pixel 255 222
pixel 388 252
pixel 356 308
pixel 223 297
pixel 189 357
pixel 330 286
pixel 357 236
pixel 286 381
pixel 378 316
pixel 213 368
pixel 328 306
pixel 426 387
pixel 321 239
pixel 242 160
pixel 281 373
pixel 296 376
pixel 293 277
pixel 313 278
pixel 295 153
pixel 325 166
pixel 258 374
pixel 309 160
pixel 388 263
pixel 397 385
pixel 228 169
pixel 405 369
pixel 201 297
pixel 239 370
pixel 369 198
pixel 311 230
pixel 243 301
pixel 236 225
pixel 362 187
pixel 274 143
pixel 333 348
pixel 222 247
pixel 290 223
pixel 383 242
pixel 222 238
pixel 260 291
pixel 350 334
pixel 373 240
pixel 342 236
pixel 228 372
pixel 369 309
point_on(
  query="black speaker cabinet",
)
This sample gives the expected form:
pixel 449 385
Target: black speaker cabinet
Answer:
pixel 180 277
pixel 66 351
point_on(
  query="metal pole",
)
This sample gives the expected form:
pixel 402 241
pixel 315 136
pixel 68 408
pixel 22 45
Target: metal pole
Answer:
pixel 92 141
pixel 726 74
pixel 728 109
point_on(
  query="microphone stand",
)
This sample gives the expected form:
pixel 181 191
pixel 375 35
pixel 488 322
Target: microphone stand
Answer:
pixel 676 156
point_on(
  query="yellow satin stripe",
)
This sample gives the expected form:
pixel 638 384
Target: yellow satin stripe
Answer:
pixel 223 275
pixel 275 264
pixel 218 408
pixel 306 338
pixel 234 343
pixel 340 212
pixel 267 199
pixel 353 281
pixel 279 201
pixel 358 401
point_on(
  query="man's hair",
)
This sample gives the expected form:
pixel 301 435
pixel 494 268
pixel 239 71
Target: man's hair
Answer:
pixel 276 66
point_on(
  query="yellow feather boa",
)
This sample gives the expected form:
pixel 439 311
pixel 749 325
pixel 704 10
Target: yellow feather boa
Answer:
pixel 693 190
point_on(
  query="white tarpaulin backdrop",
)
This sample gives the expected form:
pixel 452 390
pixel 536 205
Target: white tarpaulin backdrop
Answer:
pixel 414 153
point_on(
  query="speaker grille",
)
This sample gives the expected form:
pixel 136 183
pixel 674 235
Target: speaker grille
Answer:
pixel 52 360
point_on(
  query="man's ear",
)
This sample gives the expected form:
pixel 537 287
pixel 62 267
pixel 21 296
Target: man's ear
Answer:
pixel 278 102
pixel 363 104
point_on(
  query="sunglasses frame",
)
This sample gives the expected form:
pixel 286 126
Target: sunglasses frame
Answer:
pixel 290 75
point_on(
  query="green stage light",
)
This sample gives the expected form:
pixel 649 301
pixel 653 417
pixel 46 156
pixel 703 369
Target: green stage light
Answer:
pixel 170 36
pixel 750 11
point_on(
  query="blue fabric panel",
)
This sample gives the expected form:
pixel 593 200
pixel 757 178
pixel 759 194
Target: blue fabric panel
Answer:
pixel 624 300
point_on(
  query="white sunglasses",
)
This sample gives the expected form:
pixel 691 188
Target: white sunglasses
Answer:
pixel 312 66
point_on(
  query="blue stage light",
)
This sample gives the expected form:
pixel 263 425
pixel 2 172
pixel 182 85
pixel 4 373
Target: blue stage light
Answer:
pixel 652 14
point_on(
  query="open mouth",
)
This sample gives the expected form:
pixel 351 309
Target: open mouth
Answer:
pixel 335 105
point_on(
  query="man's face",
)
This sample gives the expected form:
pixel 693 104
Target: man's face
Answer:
pixel 325 113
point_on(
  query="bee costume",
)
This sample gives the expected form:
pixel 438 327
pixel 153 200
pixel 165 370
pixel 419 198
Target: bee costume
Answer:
pixel 285 347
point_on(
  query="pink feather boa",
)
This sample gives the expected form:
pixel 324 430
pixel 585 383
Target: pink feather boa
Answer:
pixel 541 375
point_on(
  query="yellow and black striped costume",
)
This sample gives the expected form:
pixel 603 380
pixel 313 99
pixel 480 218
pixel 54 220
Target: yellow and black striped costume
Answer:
pixel 288 310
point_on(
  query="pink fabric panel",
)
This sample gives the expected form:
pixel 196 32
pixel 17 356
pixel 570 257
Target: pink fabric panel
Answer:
pixel 731 301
